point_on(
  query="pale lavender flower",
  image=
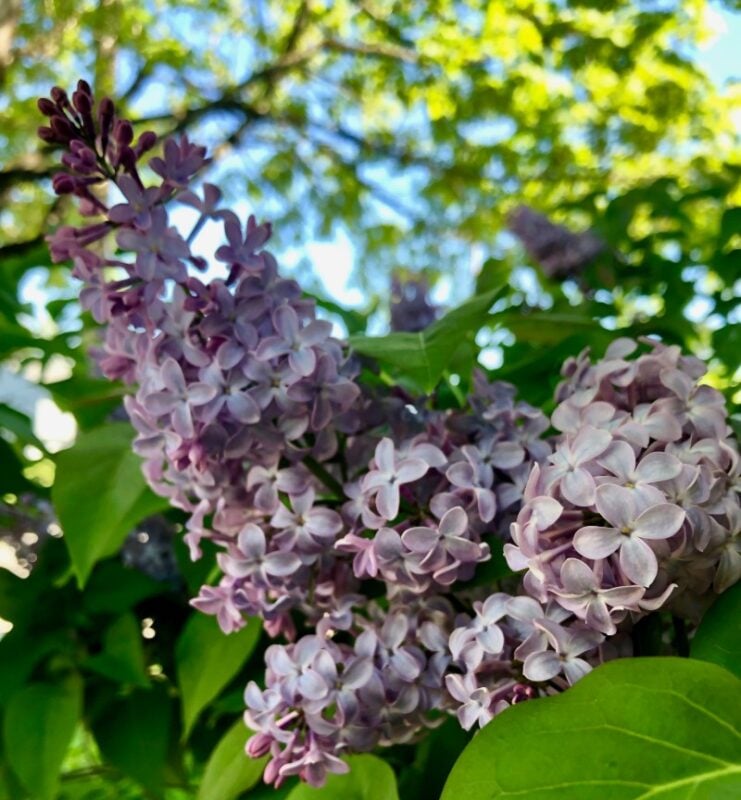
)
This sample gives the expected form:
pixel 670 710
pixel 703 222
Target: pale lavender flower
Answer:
pixel 568 645
pixel 632 526
pixel 389 473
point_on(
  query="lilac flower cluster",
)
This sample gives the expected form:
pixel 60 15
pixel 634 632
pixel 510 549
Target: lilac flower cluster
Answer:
pixel 319 491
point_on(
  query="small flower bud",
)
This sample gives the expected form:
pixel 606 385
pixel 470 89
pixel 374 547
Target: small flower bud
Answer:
pixel 124 133
pixel 147 141
pixel 84 87
pixel 59 96
pixel 63 183
pixel 62 128
pixel 46 134
pixel 82 103
pixel 46 107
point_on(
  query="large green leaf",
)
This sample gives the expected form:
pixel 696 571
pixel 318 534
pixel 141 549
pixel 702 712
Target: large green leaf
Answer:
pixel 38 727
pixel 634 728
pixel 369 778
pixel 718 639
pixel 422 357
pixel 135 734
pixel 100 494
pixel 122 656
pixel 230 771
pixel 206 660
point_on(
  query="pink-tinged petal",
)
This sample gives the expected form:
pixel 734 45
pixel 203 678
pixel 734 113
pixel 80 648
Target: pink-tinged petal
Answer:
pixel 577 577
pixel 598 617
pixel 387 544
pixel 384 456
pixel 182 421
pixel 594 542
pixel 578 487
pixel 677 381
pixel 491 639
pixel 433 456
pixel 463 550
pixel 616 504
pixel 619 459
pixel 172 376
pixel 282 564
pixel 251 540
pixel 387 501
pixel 507 455
pixel 160 402
pixel 411 469
pixel 243 408
pixel 658 467
pixel 495 607
pixel 200 393
pixel 405 665
pixel 272 347
pixel 486 502
pixel 312 685
pixel 515 558
pixel 589 443
pixel 541 666
pixel 623 596
pixel 374 480
pixel 638 561
pixel 620 348
pixel 420 540
pixel 306 649
pixel 302 361
pixel 575 669
pixel 454 522
pixel 659 522
pixel 324 522
pixel 358 673
pixel 235 567
pixel 545 511
pixel 315 332
pixel 286 323
pixel 461 474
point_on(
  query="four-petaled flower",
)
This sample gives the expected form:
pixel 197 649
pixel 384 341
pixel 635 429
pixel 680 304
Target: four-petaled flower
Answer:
pixel 390 472
pixel 632 526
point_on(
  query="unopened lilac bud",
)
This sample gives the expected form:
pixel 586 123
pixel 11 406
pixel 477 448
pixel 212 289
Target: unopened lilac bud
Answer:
pixel 82 102
pixel 63 183
pixel 46 107
pixel 59 96
pixel 84 87
pixel 46 134
pixel 62 127
pixel 124 133
pixel 146 141
pixel 106 110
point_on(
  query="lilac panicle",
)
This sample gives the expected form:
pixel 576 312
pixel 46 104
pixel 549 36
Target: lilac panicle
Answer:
pixel 250 417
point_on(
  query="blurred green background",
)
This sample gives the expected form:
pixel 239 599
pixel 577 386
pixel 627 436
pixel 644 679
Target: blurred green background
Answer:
pixel 383 139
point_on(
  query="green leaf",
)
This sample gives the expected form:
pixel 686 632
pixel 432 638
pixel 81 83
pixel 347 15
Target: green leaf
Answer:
pixel 135 733
pixel 206 660
pixel 230 771
pixel 369 778
pixel 113 588
pixel 718 639
pixel 100 494
pixel 633 728
pixel 122 657
pixel 40 721
pixel 423 357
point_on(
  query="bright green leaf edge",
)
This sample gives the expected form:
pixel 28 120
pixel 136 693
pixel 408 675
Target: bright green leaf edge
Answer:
pixel 718 639
pixel 632 729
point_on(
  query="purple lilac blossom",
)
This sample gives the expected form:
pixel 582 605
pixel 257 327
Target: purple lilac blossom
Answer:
pixel 249 417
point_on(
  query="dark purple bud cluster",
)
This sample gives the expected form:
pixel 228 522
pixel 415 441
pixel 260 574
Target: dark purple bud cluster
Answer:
pixel 320 492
